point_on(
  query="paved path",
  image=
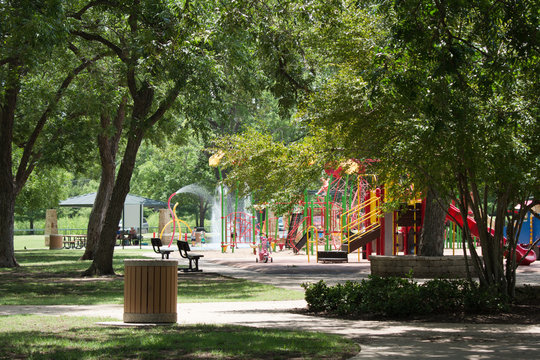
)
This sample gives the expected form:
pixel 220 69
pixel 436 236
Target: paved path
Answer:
pixel 378 339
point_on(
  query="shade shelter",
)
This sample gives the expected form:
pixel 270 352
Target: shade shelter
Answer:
pixel 132 214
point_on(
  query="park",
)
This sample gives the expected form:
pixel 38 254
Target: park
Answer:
pixel 273 180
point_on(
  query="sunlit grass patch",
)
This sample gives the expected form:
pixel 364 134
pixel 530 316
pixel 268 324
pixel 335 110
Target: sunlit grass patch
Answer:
pixel 53 277
pixel 48 337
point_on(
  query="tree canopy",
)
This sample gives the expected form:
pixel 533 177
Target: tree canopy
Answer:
pixel 36 72
pixel 444 94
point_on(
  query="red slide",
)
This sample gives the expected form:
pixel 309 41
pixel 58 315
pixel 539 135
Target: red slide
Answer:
pixel 521 250
pixel 454 215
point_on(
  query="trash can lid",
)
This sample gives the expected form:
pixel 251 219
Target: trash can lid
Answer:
pixel 150 262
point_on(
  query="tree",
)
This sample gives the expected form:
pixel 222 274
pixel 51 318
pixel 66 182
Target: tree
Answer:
pixel 276 172
pixel 108 140
pixel 161 171
pixel 35 74
pixel 448 98
pixel 43 191
pixel 237 91
pixel 445 95
pixel 167 52
pixel 144 39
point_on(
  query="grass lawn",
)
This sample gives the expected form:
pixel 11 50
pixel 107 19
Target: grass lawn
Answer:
pixel 53 277
pixel 52 337
pixel 21 242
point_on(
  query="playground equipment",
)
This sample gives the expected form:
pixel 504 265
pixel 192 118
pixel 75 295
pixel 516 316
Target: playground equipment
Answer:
pixel 529 237
pixel 523 255
pixel 175 221
pixel 344 216
pixel 240 227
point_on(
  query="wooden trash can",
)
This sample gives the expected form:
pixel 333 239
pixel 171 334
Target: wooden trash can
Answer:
pixel 56 242
pixel 150 291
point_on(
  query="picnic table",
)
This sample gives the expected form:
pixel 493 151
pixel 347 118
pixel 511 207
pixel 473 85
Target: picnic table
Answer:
pixel 74 241
pixel 125 238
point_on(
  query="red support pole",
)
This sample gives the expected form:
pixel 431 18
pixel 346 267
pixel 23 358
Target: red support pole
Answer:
pixel 369 246
pixel 380 246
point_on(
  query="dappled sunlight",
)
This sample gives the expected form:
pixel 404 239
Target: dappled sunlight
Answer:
pixel 78 337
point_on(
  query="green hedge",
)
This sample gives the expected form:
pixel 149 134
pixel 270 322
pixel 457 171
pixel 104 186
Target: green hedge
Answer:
pixel 399 297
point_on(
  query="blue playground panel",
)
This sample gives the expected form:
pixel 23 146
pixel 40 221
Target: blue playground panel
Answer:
pixel 525 237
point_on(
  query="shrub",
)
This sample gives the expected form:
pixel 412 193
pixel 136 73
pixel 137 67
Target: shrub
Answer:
pixel 395 297
pixel 443 295
pixel 481 300
pixel 316 296
pixel 352 299
pixel 390 296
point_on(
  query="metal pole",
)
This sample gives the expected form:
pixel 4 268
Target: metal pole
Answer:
pixel 222 211
pixel 327 215
pixel 454 238
pixel 253 220
pixel 235 233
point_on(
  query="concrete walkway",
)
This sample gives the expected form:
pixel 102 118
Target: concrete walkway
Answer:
pixel 378 339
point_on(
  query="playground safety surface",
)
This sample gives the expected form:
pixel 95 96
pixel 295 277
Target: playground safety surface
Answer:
pixel 378 339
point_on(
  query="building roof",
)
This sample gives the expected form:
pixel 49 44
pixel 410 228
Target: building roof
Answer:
pixel 87 200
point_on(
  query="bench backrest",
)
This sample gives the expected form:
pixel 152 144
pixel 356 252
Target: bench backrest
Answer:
pixel 183 247
pixel 156 244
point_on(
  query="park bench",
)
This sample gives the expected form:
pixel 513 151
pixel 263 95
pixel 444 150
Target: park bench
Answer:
pixel 156 245
pixel 183 248
pixel 332 256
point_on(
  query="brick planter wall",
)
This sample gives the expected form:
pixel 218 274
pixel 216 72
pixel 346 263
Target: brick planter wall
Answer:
pixel 426 267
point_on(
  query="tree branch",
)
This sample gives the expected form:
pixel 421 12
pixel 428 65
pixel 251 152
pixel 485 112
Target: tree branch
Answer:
pixel 7 60
pixel 93 37
pixel 292 80
pixel 26 165
pixel 133 17
pixel 74 49
pixel 165 104
pixel 119 121
pixel 78 15
pixel 131 82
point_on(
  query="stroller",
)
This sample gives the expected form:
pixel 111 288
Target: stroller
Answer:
pixel 264 251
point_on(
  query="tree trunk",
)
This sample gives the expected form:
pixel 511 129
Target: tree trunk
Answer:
pixel 108 147
pixel 7 211
pixel 97 216
pixel 8 189
pixel 203 208
pixel 11 185
pixel 432 239
pixel 143 98
pixel 103 254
